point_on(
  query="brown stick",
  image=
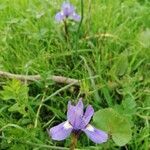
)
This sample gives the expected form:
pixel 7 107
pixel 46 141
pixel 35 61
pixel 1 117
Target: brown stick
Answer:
pixel 58 79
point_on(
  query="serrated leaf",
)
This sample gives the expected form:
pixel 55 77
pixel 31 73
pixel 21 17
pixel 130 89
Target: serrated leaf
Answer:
pixel 18 147
pixel 17 108
pixel 115 124
pixel 145 38
pixel 19 93
pixel 7 93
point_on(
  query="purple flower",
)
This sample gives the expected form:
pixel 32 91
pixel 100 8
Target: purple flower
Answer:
pixel 67 11
pixel 77 121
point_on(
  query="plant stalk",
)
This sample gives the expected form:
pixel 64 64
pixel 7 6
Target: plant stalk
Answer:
pixel 73 141
pixel 66 30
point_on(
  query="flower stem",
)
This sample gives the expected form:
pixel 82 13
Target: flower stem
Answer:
pixel 66 30
pixel 73 141
pixel 39 109
pixel 82 15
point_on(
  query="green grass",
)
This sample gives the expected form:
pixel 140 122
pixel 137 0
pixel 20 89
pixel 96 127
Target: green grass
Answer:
pixel 113 68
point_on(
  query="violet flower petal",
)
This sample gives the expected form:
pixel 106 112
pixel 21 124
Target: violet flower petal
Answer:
pixel 59 16
pixel 80 106
pixel 61 131
pixel 87 116
pixel 75 17
pixel 67 9
pixel 75 114
pixel 70 112
pixel 97 136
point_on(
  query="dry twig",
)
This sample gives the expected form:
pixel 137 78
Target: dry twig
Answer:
pixel 31 78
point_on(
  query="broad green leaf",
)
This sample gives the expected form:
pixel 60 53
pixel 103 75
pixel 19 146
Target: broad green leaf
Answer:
pixel 145 38
pixel 115 124
pixel 122 65
pixel 129 105
pixel 107 96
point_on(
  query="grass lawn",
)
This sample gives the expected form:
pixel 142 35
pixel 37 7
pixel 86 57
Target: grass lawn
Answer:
pixel 107 53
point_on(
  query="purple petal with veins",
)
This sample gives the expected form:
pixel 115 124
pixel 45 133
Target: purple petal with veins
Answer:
pixel 75 114
pixel 78 121
pixel 75 17
pixel 97 136
pixel 87 116
pixel 59 16
pixel 61 131
pixel 67 9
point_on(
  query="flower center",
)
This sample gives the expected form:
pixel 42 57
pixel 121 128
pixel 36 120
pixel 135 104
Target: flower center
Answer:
pixel 67 125
pixel 90 128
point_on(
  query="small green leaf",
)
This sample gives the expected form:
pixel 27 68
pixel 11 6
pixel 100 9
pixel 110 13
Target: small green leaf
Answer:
pixel 115 124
